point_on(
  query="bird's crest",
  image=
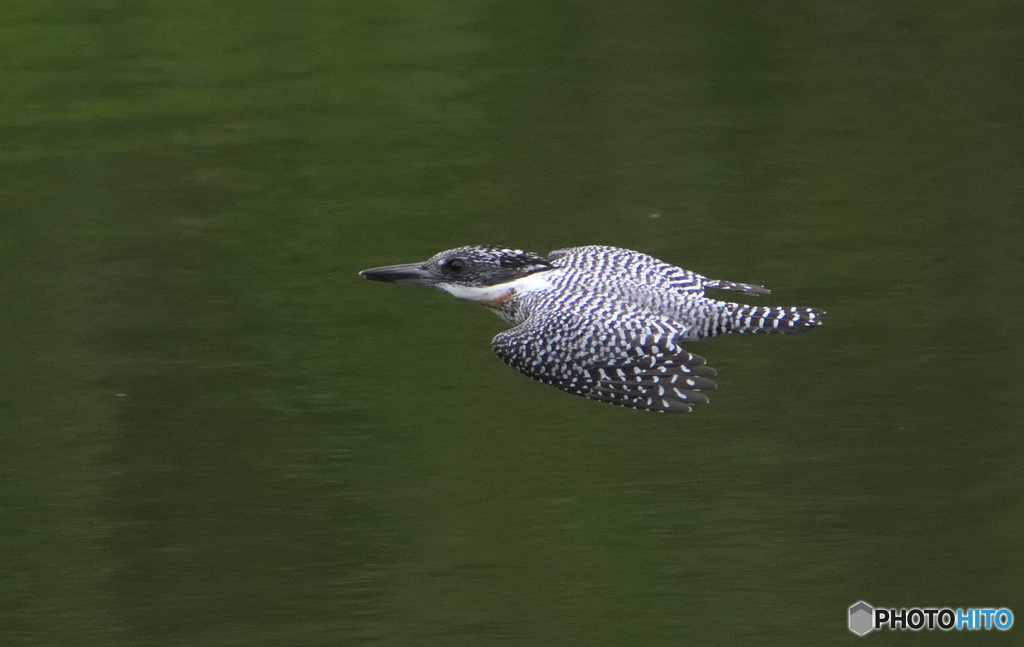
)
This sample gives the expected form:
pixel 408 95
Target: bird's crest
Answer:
pixel 484 265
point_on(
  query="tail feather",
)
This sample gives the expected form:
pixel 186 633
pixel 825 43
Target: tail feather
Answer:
pixel 757 319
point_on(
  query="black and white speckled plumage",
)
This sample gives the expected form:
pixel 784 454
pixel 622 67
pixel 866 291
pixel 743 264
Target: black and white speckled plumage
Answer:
pixel 602 322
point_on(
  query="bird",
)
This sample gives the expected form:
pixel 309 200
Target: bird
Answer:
pixel 602 322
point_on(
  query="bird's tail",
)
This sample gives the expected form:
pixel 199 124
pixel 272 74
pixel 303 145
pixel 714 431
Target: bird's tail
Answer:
pixel 740 318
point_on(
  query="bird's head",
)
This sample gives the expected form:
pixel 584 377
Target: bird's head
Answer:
pixel 464 271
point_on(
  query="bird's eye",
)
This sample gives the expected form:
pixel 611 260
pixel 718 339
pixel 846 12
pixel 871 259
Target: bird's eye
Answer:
pixel 454 265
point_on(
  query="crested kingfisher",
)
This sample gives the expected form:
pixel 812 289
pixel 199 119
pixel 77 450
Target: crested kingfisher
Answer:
pixel 602 322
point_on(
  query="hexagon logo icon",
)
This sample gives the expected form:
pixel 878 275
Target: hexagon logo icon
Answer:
pixel 862 618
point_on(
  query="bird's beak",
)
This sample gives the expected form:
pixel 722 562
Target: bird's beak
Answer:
pixel 411 273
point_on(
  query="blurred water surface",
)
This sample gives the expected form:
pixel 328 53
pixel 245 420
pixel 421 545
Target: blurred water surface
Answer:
pixel 213 433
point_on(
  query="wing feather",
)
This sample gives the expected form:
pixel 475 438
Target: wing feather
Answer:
pixel 645 269
pixel 637 362
pixel 641 268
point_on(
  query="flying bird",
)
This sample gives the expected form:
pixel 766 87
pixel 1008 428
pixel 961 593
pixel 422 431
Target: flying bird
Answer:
pixel 602 322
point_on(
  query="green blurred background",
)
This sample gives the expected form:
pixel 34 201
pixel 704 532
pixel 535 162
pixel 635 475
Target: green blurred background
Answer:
pixel 213 433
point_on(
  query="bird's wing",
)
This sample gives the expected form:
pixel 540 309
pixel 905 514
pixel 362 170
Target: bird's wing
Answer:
pixel 633 362
pixel 745 288
pixel 644 269
pixel 640 268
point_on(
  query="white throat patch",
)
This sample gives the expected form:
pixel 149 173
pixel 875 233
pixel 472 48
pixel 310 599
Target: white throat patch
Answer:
pixel 528 283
